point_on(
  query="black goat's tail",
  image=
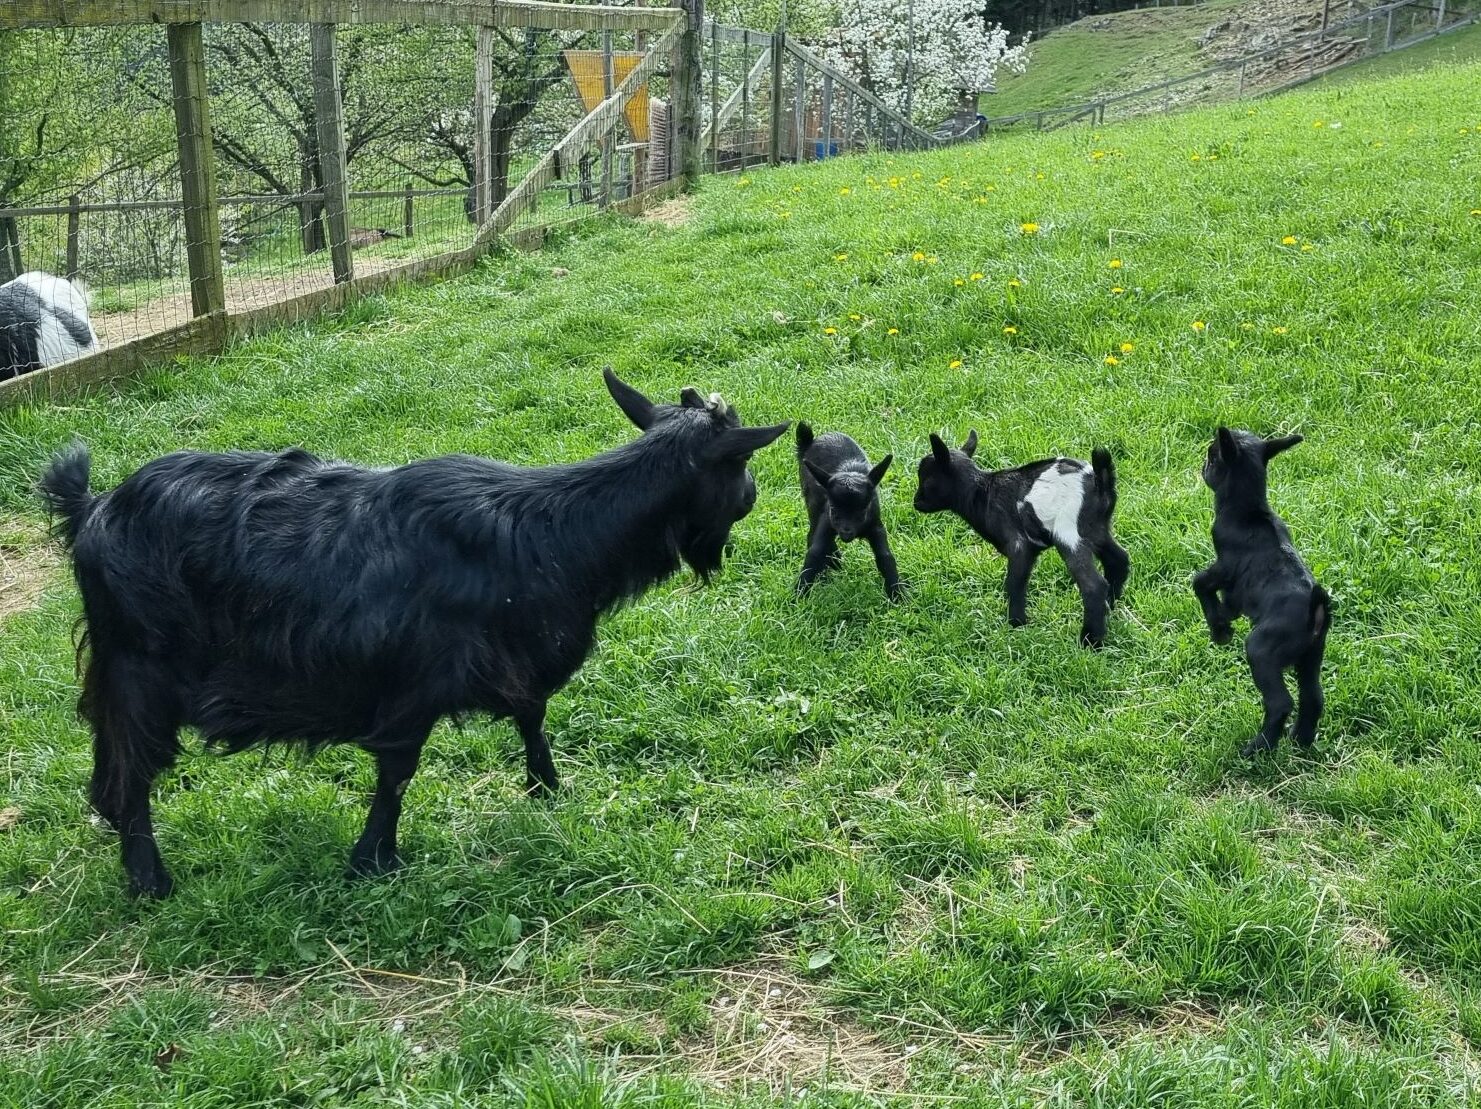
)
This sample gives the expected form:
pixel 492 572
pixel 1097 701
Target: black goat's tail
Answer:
pixel 64 488
pixel 804 438
pixel 1105 476
pixel 1321 612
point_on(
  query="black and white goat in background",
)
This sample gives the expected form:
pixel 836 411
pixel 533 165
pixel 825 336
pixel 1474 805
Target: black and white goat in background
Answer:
pixel 841 491
pixel 1257 573
pixel 266 598
pixel 1057 502
pixel 43 321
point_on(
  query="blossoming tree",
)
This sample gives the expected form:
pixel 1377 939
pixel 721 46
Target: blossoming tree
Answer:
pixel 921 56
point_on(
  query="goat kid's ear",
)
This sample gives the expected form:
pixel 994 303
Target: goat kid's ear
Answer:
pixel 876 475
pixel 969 448
pixel 940 450
pixel 690 397
pixel 636 407
pixel 819 475
pixel 737 442
pixel 1227 446
pixel 1273 447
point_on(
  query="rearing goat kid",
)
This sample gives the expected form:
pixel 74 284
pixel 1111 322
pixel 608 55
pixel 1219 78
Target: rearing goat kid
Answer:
pixel 1257 573
pixel 1056 502
pixel 841 491
pixel 265 598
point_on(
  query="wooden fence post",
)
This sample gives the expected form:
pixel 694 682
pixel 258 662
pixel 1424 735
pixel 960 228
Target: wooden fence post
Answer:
pixel 688 81
pixel 715 95
pixel 799 108
pixel 1440 16
pixel 1388 36
pixel 608 140
pixel 745 144
pixel 197 167
pixel 406 224
pixel 329 126
pixel 827 150
pixel 483 125
pixel 778 57
pixel 74 233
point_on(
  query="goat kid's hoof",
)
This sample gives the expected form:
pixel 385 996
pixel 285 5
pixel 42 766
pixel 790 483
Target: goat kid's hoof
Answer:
pixel 1091 640
pixel 1257 746
pixel 895 592
pixel 156 886
pixel 540 789
pixel 372 865
pixel 1221 634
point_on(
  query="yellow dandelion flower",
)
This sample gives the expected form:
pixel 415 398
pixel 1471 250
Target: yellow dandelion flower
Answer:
pixel 796 188
pixel 840 257
pixel 830 331
pixel 1247 327
pixel 1112 360
pixel 954 364
pixel 893 331
pixel 976 277
pixel 1199 325
pixel 1280 330
pixel 1196 158
pixel 845 191
pixel 1010 330
pixel 1117 290
pixel 1097 155
pixel 855 316
pixel 1306 247
pixel 1289 240
pixel 1014 283
pixel 1476 211
pixel 743 182
pixel 1038 177
pixel 1114 264
pixel 1029 228
pixel 918 256
pixel 958 281
pixel 1127 348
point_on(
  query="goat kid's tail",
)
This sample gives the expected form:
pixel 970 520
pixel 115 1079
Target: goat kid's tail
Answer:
pixel 64 488
pixel 1321 611
pixel 804 438
pixel 1105 476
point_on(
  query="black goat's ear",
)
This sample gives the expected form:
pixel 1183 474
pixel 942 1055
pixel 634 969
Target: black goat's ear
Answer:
pixel 969 448
pixel 1273 447
pixel 940 450
pixel 737 442
pixel 690 397
pixel 1227 445
pixel 636 407
pixel 876 475
pixel 819 475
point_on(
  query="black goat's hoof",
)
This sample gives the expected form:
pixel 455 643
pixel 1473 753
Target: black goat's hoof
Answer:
pixel 1256 746
pixel 540 789
pixel 1221 634
pixel 372 864
pixel 156 886
pixel 895 592
pixel 1018 621
pixel 1091 640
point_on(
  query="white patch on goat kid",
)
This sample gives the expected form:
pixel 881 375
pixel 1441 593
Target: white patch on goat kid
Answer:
pixel 1056 497
pixel 54 343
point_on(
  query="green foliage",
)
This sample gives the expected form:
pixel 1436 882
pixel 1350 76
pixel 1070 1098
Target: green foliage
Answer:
pixel 1044 868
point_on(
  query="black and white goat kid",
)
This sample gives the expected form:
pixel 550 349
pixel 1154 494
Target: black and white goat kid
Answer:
pixel 1056 502
pixel 841 491
pixel 1257 573
pixel 266 598
pixel 43 321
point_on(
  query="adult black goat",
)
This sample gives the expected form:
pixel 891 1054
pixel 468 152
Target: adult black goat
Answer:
pixel 276 597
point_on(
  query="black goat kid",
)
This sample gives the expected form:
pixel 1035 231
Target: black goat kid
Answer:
pixel 276 597
pixel 1056 502
pixel 1257 573
pixel 842 495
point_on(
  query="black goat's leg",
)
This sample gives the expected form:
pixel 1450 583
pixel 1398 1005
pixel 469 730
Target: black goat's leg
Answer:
pixel 1206 585
pixel 1020 565
pixel 1262 650
pixel 884 559
pixel 1094 593
pixel 375 852
pixel 540 776
pixel 1117 566
pixel 1309 685
pixel 822 555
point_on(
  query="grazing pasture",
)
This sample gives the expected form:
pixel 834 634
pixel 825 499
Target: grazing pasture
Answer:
pixel 831 850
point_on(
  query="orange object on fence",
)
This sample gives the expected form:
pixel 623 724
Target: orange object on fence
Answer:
pixel 586 70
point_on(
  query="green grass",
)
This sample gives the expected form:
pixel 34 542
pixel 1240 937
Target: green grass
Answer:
pixel 973 863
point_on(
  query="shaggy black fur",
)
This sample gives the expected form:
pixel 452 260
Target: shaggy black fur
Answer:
pixel 994 503
pixel 266 598
pixel 1257 573
pixel 841 491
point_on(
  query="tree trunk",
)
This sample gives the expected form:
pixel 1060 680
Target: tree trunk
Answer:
pixel 501 147
pixel 310 223
pixel 10 250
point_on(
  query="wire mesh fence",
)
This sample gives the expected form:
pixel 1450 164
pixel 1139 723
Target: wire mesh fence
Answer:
pixel 225 169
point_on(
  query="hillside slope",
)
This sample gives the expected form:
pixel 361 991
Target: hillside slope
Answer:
pixel 811 853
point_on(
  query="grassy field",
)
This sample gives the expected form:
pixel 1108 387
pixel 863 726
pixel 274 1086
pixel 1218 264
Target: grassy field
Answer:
pixel 839 851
